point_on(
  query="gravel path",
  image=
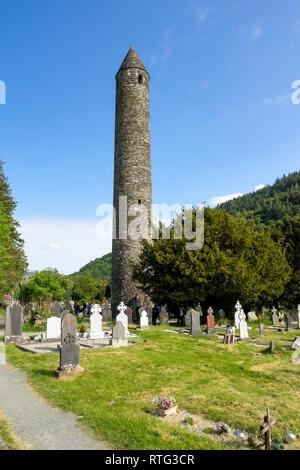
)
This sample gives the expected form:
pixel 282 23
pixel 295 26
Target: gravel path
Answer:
pixel 36 422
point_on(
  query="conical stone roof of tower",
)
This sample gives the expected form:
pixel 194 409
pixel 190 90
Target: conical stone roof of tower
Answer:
pixel 132 60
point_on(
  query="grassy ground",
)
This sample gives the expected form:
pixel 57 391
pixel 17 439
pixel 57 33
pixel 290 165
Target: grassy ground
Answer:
pixel 232 383
pixel 8 436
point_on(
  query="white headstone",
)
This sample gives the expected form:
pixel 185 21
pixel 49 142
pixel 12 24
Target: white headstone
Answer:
pixel 144 319
pixel 252 316
pixel 122 317
pixel 53 328
pixel 243 326
pixel 237 313
pixel 96 322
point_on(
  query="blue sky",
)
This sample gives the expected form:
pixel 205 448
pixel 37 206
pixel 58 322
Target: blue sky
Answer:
pixel 222 119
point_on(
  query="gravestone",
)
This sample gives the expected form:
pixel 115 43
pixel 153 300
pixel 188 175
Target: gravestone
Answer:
pixel 53 328
pixel 229 337
pixel 122 317
pixel 149 313
pixel 196 330
pixel 210 322
pixel 144 322
pixel 221 314
pixel 55 307
pixel 96 322
pixel 69 348
pixel 261 329
pixel 296 343
pixel 106 314
pixel 237 313
pixel 298 308
pixel 289 323
pixel 119 335
pixel 272 347
pixel 13 323
pixel 64 312
pixel 252 316
pixel 243 326
pixel 275 317
pixel 128 312
pixel 164 316
pixel 188 318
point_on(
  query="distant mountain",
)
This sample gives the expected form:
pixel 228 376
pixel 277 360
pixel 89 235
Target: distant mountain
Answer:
pixel 270 204
pixel 100 268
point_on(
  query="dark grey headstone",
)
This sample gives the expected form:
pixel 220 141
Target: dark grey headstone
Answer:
pixel 64 313
pixel 196 330
pixel 69 349
pixel 222 313
pixel 289 323
pixel 118 331
pixel 55 307
pixel 261 329
pixel 164 317
pixel 106 314
pixel 13 320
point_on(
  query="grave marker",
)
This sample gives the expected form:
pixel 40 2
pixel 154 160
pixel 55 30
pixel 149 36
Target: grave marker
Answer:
pixel 229 337
pixel 69 348
pixel 144 322
pixel 13 323
pixel 266 429
pixel 122 317
pixel 96 322
pixel 119 335
pixel 252 316
pixel 243 326
pixel 53 328
pixel 238 308
pixel 106 314
pixel 164 316
pixel 210 322
pixel 196 330
pixel 261 329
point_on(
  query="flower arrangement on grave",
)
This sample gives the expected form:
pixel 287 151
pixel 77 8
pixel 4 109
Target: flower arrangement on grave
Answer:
pixel 164 406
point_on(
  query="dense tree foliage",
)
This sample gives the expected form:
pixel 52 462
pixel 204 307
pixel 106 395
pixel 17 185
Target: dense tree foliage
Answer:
pixel 287 233
pixel 45 286
pixel 236 262
pixel 100 268
pixel 88 289
pixel 269 204
pixel 13 262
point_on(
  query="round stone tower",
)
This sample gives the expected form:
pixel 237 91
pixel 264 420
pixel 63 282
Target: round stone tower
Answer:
pixel 132 175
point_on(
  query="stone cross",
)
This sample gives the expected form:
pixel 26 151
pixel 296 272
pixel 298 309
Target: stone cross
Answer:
pixel 96 322
pixel 243 325
pixel 210 322
pixel 238 308
pixel 266 429
pixel 122 317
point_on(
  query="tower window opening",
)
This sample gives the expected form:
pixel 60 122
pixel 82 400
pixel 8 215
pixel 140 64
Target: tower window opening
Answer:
pixel 140 78
pixel 139 202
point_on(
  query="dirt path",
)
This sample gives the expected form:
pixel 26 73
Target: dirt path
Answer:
pixel 36 422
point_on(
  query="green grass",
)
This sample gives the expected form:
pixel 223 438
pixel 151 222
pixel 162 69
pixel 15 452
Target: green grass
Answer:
pixel 8 436
pixel 233 384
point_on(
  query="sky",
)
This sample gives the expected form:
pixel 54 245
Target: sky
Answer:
pixel 222 118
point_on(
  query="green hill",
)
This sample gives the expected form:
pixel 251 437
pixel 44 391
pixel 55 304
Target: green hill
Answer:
pixel 270 204
pixel 100 268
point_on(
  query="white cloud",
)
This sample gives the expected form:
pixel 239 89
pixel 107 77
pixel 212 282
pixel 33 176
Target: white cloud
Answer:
pixel 64 244
pixel 259 186
pixel 277 100
pixel 201 13
pixel 167 47
pixel 214 201
pixel 253 32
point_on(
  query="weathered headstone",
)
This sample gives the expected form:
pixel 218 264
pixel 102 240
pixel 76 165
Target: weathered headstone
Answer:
pixel 53 328
pixel 55 307
pixel 275 317
pixel 106 314
pixel 188 318
pixel 96 322
pixel 237 312
pixel 296 343
pixel 144 323
pixel 243 326
pixel 210 322
pixel 289 323
pixel 64 312
pixel 122 317
pixel 119 335
pixel 266 429
pixel 222 313
pixel 69 348
pixel 164 316
pixel 196 330
pixel 272 347
pixel 13 323
pixel 252 316
pixel 261 329
pixel 229 337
